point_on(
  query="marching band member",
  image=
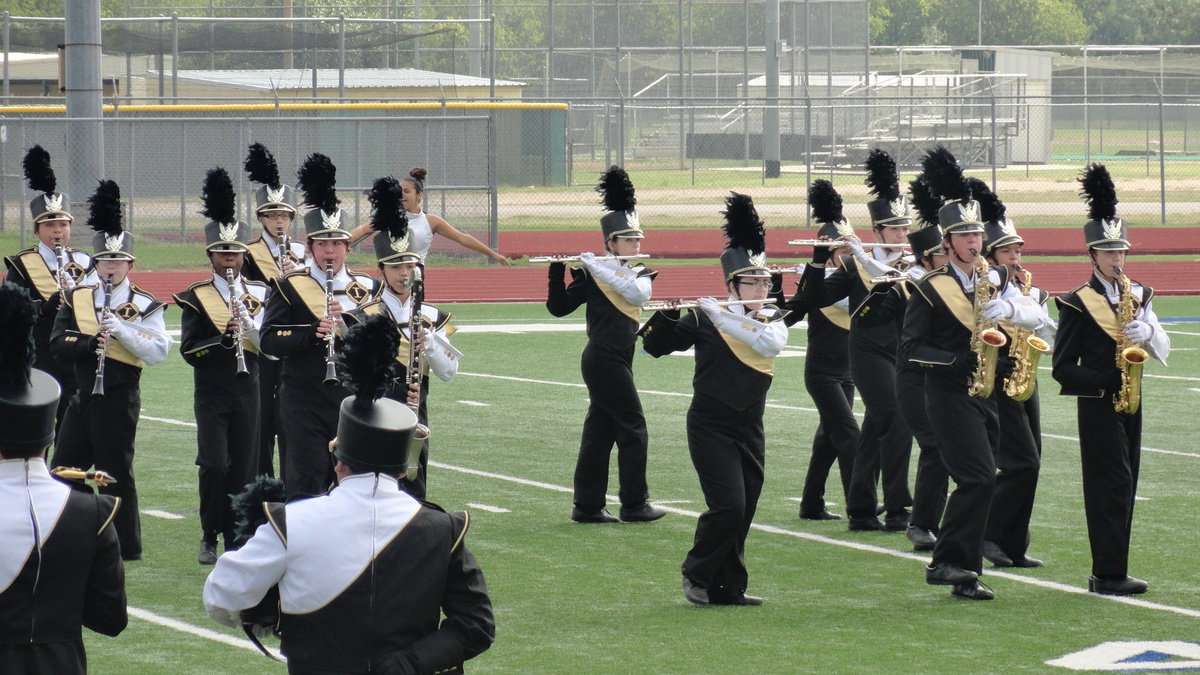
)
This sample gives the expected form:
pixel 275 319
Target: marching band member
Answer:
pixel 364 573
pixel 50 268
pixel 884 443
pixel 1101 320
pixel 437 355
pixel 215 317
pixel 614 292
pixel 948 309
pixel 1019 452
pixel 303 312
pixel 735 357
pixel 60 563
pixel 109 336
pixel 273 254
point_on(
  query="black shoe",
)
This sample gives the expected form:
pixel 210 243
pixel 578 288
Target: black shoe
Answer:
pixel 1126 586
pixel 865 525
pixel 921 538
pixel 823 514
pixel 1026 561
pixel 897 522
pixel 972 591
pixel 744 600
pixel 994 555
pixel 601 516
pixel 208 553
pixel 697 595
pixel 642 513
pixel 948 574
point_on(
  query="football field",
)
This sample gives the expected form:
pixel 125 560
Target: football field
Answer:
pixel 573 598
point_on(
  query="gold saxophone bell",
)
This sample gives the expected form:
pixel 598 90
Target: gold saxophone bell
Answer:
pixel 1130 358
pixel 1023 382
pixel 986 339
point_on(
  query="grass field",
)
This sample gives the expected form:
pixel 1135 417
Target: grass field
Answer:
pixel 573 598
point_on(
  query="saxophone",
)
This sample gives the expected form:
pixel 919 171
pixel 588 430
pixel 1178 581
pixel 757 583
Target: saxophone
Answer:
pixel 1130 358
pixel 986 339
pixel 1025 350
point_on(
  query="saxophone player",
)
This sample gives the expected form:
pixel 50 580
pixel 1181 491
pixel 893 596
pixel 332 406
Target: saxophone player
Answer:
pixel 216 314
pixel 1018 455
pixel 397 260
pixel 946 312
pixel 1098 322
pixel 126 326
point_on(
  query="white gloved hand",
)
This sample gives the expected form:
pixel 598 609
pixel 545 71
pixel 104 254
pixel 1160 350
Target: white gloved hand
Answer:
pixel 247 322
pixel 261 631
pixel 855 245
pixel 998 309
pixel 1139 331
pixel 113 325
pixel 710 307
pixel 587 258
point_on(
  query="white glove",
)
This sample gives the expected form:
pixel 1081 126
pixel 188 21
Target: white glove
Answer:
pixel 1139 331
pixel 916 272
pixel 587 258
pixel 260 631
pixel 114 326
pixel 855 245
pixel 710 307
pixel 998 309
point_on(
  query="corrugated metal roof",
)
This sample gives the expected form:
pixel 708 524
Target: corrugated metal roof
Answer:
pixel 327 78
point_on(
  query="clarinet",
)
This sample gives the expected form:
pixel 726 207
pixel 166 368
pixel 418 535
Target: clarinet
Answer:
pixel 283 249
pixel 60 254
pixel 102 352
pixel 239 335
pixel 415 374
pixel 331 378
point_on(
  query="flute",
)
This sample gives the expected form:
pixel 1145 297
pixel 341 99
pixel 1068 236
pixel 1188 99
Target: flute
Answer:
pixel 835 243
pixel 680 303
pixel 575 258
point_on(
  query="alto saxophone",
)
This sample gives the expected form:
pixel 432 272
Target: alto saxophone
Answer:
pixel 986 339
pixel 1130 358
pixel 1026 350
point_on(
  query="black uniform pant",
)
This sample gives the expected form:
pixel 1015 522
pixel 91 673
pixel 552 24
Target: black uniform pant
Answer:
pixel 227 442
pixel 307 467
pixel 99 431
pixel 728 450
pixel 1018 459
pixel 929 490
pixel 884 445
pixel 269 417
pixel 614 416
pixel 967 431
pixel 835 439
pixel 1110 448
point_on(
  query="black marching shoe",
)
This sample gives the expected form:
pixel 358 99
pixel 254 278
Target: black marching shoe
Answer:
pixel 208 553
pixel 642 513
pixel 744 600
pixel 948 574
pixel 823 514
pixel 972 591
pixel 697 595
pixel 1126 586
pixel 601 516
pixel 897 522
pixel 993 554
pixel 921 538
pixel 1026 561
pixel 865 525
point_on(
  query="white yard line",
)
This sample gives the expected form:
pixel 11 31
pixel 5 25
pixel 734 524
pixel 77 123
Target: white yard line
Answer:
pixel 184 627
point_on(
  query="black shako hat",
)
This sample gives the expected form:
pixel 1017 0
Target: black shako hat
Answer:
pixel 889 208
pixel 325 220
pixel 746 252
pixel 1104 229
pixel 617 196
pixel 998 230
pixel 826 206
pixel 28 397
pixel 927 240
pixel 111 241
pixel 261 168
pixel 373 432
pixel 224 232
pixel 390 220
pixel 960 213
pixel 49 204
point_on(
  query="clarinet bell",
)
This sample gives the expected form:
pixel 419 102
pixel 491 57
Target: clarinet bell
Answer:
pixel 331 378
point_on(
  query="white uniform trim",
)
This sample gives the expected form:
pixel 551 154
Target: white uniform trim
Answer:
pixel 28 495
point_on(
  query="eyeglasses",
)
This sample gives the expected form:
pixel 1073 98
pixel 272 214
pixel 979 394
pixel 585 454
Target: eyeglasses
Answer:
pixel 763 283
pixel 275 216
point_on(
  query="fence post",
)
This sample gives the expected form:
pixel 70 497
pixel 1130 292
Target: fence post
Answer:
pixel 341 57
pixel 995 188
pixel 1162 155
pixel 493 183
pixel 7 25
pixel 182 181
pixel 807 149
pixel 621 130
pixel 174 58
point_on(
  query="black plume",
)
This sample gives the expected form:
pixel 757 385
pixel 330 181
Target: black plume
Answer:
pixel 368 358
pixel 924 200
pixel 248 512
pixel 318 176
pixel 37 170
pixel 944 174
pixel 742 225
pixel 105 206
pixel 1099 192
pixel 881 175
pixel 261 166
pixel 17 315
pixel 990 207
pixel 390 214
pixel 616 190
pixel 825 201
pixel 218 196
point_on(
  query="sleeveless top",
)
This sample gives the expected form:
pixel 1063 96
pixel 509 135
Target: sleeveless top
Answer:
pixel 420 237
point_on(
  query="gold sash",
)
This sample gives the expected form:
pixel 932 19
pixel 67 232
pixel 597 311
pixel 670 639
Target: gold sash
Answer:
pixel 311 292
pixel 217 309
pixel 746 354
pixel 263 258
pixel 1102 312
pixel 837 316
pixel 85 318
pixel 39 273
pixel 634 312
pixel 951 293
